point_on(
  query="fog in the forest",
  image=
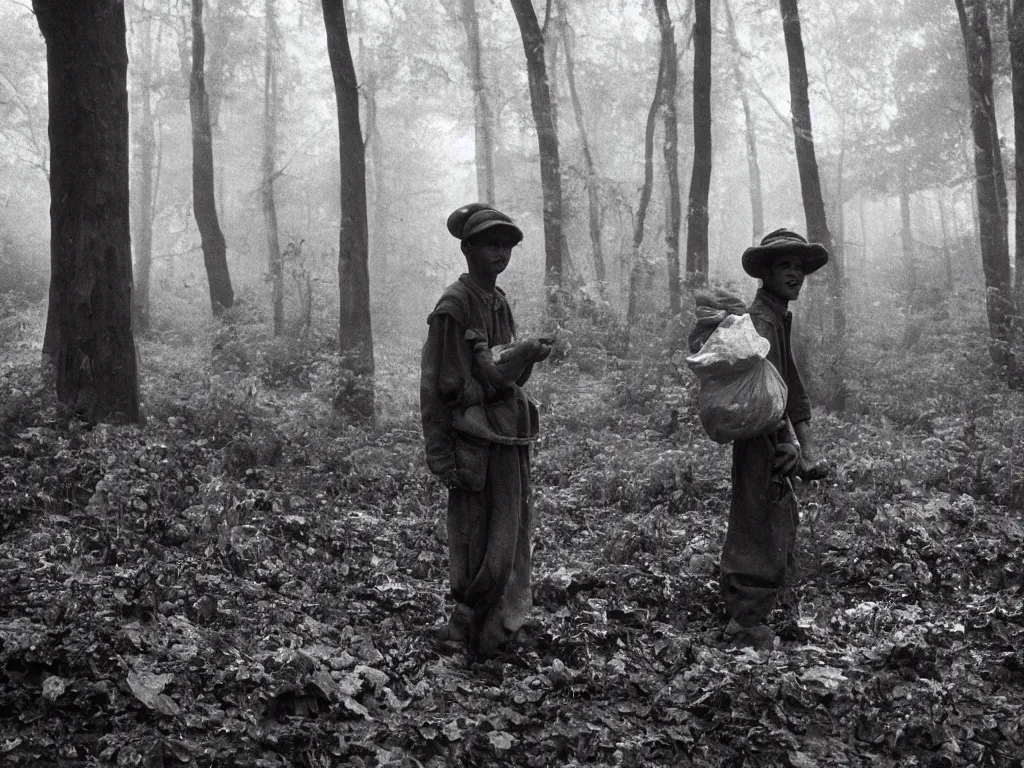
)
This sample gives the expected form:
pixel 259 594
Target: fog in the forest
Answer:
pixel 891 128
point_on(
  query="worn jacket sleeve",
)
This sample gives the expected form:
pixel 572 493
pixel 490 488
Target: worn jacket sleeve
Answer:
pixel 444 378
pixel 798 405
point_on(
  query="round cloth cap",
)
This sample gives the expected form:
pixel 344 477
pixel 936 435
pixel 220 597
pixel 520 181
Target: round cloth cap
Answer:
pixel 758 258
pixel 471 220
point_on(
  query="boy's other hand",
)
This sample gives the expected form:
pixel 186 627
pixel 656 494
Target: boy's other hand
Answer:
pixel 812 470
pixel 787 458
pixel 537 349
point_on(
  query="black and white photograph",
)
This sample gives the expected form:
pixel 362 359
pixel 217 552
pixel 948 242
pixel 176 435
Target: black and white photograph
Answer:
pixel 512 383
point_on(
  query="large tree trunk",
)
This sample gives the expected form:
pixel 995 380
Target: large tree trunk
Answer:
pixel 640 220
pixel 989 183
pixel 813 200
pixel 203 202
pixel 481 105
pixel 700 179
pixel 355 337
pixel 750 132
pixel 593 201
pixel 90 344
pixel 1017 72
pixel 547 141
pixel 803 135
pixel 142 196
pixel 275 262
pixel 673 211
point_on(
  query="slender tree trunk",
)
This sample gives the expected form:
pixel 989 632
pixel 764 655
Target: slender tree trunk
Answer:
pixel 549 30
pixel 750 132
pixel 947 258
pixel 989 183
pixel 378 224
pixel 143 196
pixel 640 221
pixel 355 337
pixel 593 200
pixel 91 346
pixel 907 240
pixel 547 141
pixel 203 202
pixel 673 212
pixel 810 188
pixel 807 162
pixel 481 106
pixel 837 275
pixel 275 262
pixel 697 217
pixel 865 247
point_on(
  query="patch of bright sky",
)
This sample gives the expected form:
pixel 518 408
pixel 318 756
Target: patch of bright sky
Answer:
pixel 635 22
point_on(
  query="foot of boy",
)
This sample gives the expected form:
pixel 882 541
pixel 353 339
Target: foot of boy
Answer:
pixel 759 636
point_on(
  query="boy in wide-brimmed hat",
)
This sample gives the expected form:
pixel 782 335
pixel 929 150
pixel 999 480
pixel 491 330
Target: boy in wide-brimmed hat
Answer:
pixel 477 425
pixel 758 555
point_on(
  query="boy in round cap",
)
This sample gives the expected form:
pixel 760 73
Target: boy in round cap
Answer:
pixel 758 555
pixel 477 425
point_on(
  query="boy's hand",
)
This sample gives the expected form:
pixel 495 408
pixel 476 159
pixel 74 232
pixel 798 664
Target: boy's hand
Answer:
pixel 787 458
pixel 812 470
pixel 537 349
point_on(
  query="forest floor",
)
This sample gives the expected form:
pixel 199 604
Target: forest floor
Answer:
pixel 245 581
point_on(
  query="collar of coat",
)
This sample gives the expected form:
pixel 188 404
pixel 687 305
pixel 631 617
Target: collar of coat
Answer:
pixel 489 298
pixel 777 306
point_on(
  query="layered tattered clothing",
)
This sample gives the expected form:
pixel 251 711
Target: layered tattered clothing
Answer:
pixel 477 427
pixel 758 554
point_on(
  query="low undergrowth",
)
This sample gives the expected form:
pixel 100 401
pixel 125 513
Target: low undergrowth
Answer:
pixel 247 580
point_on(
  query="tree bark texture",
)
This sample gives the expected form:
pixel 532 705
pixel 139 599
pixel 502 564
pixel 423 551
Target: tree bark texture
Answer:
pixel 547 140
pixel 639 222
pixel 697 217
pixel 990 184
pixel 750 132
pixel 947 260
pixel 803 135
pixel 813 199
pixel 355 337
pixel 673 210
pixel 907 238
pixel 92 348
pixel 203 201
pixel 145 153
pixel 275 262
pixel 483 120
pixel 593 198
pixel 1017 75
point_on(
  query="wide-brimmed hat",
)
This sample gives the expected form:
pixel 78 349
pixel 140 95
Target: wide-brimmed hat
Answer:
pixel 471 220
pixel 758 258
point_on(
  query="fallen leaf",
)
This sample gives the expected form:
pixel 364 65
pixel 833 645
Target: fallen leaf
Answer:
pixel 53 688
pixel 501 740
pixel 799 759
pixel 354 706
pixel 148 689
pixel 830 677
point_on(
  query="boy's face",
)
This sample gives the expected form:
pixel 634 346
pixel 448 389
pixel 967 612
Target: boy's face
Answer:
pixel 491 251
pixel 785 277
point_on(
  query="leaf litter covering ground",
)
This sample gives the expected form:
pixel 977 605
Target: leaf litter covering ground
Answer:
pixel 162 604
